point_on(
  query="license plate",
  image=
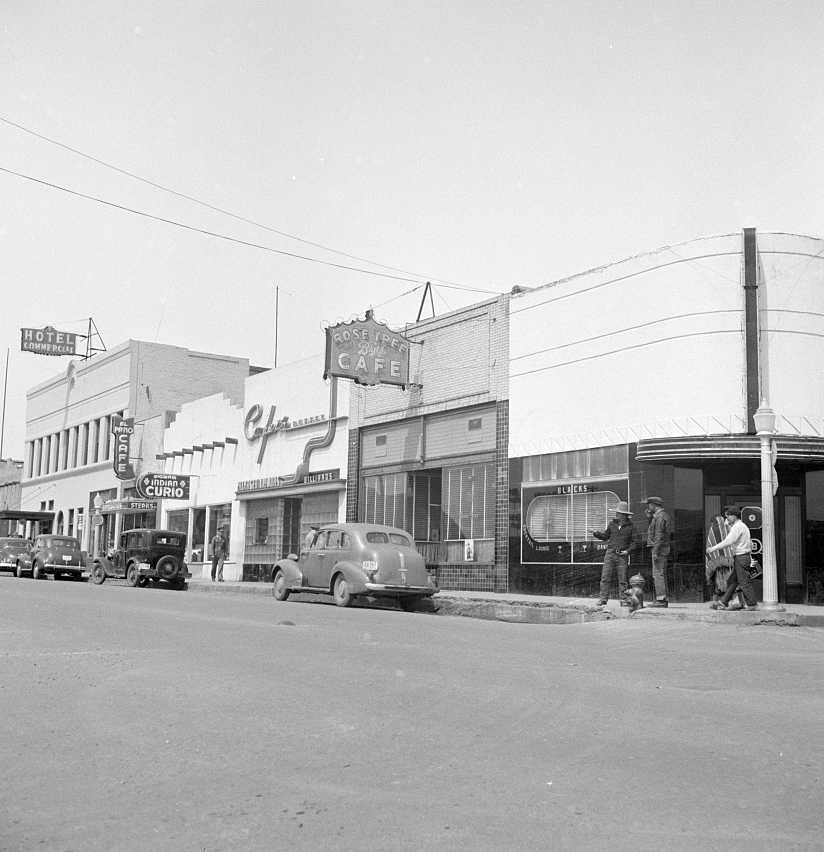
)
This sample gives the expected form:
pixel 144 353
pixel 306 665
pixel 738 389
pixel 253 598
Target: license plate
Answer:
pixel 67 559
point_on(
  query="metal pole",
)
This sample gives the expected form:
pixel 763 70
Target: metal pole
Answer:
pixel 768 562
pixel 5 387
pixel 277 307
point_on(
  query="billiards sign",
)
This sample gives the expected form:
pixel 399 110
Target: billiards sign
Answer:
pixel 367 352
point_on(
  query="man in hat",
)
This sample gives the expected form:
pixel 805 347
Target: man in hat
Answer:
pixel 619 538
pixel 659 535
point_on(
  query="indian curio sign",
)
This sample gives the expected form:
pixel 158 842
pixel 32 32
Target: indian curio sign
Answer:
pixel 163 486
pixel 368 352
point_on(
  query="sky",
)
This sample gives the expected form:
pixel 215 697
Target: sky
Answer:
pixel 478 145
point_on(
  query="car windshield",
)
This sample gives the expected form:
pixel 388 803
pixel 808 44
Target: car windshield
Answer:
pixel 62 541
pixel 168 538
pixel 384 538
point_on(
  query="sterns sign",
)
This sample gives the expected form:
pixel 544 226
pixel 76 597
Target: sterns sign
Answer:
pixel 368 352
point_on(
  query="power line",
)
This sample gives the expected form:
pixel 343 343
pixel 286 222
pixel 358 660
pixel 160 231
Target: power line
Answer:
pixel 217 209
pixel 209 233
pixel 625 349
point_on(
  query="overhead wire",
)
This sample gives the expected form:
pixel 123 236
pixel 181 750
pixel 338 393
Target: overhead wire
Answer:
pixel 216 234
pixel 223 211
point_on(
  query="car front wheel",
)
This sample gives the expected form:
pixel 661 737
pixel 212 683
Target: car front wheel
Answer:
pixel 37 571
pixel 97 575
pixel 409 604
pixel 341 593
pixel 132 576
pixel 280 590
pixel 18 571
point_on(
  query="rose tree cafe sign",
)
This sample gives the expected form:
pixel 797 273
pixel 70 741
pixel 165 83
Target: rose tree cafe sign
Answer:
pixel 163 486
pixel 368 352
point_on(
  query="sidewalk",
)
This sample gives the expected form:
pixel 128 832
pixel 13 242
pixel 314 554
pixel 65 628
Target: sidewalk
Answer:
pixel 544 609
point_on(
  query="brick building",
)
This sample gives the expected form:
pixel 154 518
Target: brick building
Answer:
pixel 432 458
pixel 69 444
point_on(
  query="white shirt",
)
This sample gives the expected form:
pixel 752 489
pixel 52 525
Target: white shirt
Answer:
pixel 738 538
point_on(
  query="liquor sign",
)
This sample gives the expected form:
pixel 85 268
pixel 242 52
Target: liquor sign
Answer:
pixel 165 486
pixel 368 352
pixel 47 341
pixel 122 429
pixel 255 432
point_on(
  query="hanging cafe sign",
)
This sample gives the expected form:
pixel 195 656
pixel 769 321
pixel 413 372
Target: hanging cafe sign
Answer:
pixel 47 341
pixel 122 429
pixel 368 352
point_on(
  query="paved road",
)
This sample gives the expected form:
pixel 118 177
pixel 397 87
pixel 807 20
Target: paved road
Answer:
pixel 143 719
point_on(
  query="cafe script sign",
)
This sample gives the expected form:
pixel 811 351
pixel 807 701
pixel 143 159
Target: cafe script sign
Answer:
pixel 368 352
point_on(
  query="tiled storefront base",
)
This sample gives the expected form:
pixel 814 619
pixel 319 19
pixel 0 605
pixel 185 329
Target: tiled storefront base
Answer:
pixel 470 577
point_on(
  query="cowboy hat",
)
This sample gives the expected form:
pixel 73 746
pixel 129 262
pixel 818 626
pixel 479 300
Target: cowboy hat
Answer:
pixel 657 500
pixel 622 509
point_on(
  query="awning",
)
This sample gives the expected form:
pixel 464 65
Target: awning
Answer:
pixel 18 515
pixel 790 448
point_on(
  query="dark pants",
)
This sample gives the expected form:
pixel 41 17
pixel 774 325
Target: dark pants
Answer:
pixel 217 566
pixel 612 563
pixel 740 577
pixel 659 575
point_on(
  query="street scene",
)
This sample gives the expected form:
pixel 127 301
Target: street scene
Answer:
pixel 412 426
pixel 166 720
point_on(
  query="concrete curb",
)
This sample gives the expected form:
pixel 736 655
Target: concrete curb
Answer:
pixel 541 611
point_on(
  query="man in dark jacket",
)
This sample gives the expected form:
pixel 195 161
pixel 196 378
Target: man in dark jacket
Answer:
pixel 619 538
pixel 659 537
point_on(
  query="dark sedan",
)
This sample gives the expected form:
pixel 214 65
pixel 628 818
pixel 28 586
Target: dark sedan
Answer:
pixel 348 560
pixel 14 554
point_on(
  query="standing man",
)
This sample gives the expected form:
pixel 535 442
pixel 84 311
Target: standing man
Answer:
pixel 618 535
pixel 220 549
pixel 659 535
pixel 738 538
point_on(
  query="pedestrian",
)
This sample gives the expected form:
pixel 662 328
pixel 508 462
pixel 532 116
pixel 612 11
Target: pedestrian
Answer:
pixel 220 549
pixel 619 538
pixel 659 536
pixel 738 538
pixel 718 565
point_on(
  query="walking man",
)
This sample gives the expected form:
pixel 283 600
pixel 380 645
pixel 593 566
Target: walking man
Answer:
pixel 659 535
pixel 220 549
pixel 738 538
pixel 619 538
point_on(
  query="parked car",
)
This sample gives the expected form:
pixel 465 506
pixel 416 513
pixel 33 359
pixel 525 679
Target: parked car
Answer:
pixel 145 555
pixel 57 555
pixel 347 560
pixel 15 552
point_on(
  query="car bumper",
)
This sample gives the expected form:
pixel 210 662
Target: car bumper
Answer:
pixel 7 564
pixel 146 570
pixel 63 566
pixel 386 589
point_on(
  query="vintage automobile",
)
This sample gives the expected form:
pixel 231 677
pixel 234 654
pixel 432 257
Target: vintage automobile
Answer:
pixel 15 554
pixel 348 560
pixel 143 556
pixel 58 555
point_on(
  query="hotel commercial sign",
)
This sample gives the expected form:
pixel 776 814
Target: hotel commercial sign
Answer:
pixel 368 352
pixel 47 341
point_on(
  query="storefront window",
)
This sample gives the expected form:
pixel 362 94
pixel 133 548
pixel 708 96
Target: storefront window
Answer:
pixel 178 521
pixel 576 464
pixel 220 518
pixel 814 535
pixel 468 494
pixel 198 535
pixel 385 500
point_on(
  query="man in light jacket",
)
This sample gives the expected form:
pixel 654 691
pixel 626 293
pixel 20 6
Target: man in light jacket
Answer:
pixel 738 538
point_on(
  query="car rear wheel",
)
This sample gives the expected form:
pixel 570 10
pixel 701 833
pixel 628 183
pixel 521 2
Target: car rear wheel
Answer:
pixel 280 589
pixel 37 571
pixel 132 576
pixel 341 593
pixel 98 574
pixel 18 571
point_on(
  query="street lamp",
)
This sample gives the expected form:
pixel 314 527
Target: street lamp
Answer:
pixel 764 419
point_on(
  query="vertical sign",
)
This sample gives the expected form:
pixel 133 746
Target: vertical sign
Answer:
pixel 122 429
